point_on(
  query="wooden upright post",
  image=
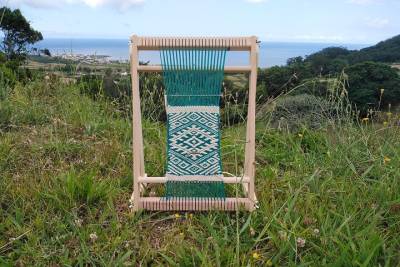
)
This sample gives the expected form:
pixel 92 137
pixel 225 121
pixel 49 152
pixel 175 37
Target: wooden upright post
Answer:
pixel 250 149
pixel 137 141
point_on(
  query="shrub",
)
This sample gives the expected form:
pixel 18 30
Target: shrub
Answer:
pixel 366 81
pixel 298 111
pixel 7 81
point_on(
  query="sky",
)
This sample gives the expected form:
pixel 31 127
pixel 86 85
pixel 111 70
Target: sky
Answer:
pixel 322 21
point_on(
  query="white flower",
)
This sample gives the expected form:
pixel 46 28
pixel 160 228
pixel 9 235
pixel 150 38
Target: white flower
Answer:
pixel 93 237
pixel 301 242
pixel 316 231
pixel 78 222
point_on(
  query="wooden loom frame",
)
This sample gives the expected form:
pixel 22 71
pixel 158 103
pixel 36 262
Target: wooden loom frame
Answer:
pixel 140 177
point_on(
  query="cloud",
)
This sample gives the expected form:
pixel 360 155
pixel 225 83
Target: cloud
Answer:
pixel 120 4
pixel 117 4
pixel 377 23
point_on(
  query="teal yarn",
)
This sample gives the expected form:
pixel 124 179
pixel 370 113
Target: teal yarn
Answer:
pixel 193 77
pixel 193 80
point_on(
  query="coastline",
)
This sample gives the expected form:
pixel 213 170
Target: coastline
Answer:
pixel 271 53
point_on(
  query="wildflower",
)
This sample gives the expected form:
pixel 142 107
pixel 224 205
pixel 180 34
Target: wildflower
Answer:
pixel 252 231
pixel 385 123
pixel 282 235
pixel 93 237
pixel 300 135
pixel 181 234
pixel 316 231
pixel 300 242
pixel 365 120
pixel 382 90
pixel 256 256
pixel 78 222
pixel 268 263
pixel 177 215
pixel 386 160
pixel 389 114
pixel 308 221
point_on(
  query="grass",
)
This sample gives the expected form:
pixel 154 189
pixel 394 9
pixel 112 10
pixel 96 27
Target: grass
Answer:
pixel 327 197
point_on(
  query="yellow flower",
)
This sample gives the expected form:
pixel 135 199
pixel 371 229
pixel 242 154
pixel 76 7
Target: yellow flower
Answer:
pixel 386 160
pixel 385 123
pixel 300 135
pixel 268 263
pixel 177 215
pixel 256 256
pixel 389 114
pixel 181 234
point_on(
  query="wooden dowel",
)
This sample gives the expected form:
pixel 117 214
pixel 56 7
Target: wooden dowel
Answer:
pixel 162 180
pixel 157 43
pixel 249 163
pixel 228 69
pixel 137 142
pixel 163 204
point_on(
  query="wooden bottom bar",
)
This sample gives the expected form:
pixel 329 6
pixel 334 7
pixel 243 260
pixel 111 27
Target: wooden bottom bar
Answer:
pixel 200 204
pixel 163 180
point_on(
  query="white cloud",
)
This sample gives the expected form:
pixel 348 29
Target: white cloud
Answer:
pixel 121 4
pixel 118 4
pixel 377 23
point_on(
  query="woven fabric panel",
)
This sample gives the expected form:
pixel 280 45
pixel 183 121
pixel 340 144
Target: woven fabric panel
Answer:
pixel 193 80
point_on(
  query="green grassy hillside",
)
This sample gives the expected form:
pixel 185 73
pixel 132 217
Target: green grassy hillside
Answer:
pixel 327 197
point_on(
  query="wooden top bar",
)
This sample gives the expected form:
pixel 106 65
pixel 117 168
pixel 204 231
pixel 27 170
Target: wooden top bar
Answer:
pixel 227 69
pixel 155 43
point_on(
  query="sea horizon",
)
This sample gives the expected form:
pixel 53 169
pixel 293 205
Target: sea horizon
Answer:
pixel 272 53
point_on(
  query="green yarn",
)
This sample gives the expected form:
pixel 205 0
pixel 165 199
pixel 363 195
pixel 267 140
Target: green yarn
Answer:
pixel 193 77
pixel 194 189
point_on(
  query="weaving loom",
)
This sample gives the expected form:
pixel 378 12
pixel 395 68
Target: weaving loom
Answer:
pixel 193 71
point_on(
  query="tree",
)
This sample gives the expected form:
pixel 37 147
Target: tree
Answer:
pixel 330 60
pixel 366 81
pixel 46 52
pixel 18 34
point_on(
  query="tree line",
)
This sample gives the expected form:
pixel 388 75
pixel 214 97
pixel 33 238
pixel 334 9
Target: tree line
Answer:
pixel 368 72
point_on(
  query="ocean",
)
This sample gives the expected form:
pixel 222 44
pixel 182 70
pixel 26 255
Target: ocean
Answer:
pixel 271 53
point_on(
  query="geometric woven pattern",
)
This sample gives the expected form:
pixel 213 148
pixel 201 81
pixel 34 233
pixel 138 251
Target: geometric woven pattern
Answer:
pixel 193 145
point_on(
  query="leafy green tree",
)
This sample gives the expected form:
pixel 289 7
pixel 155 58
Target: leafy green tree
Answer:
pixel 295 61
pixel 386 51
pixel 366 81
pixel 18 34
pixel 46 52
pixel 276 80
pixel 330 60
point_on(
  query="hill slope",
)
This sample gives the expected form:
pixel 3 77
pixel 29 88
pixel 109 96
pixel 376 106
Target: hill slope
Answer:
pixel 387 51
